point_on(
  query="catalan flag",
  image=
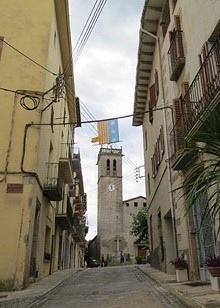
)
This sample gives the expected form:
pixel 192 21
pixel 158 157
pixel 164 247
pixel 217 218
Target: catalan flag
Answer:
pixel 107 132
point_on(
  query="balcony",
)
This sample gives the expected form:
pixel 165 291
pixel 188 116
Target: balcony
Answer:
pixel 176 55
pixel 53 184
pixel 202 97
pixel 66 164
pixel 64 214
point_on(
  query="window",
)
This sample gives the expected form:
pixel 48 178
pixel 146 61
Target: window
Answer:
pixel 176 52
pixel 47 243
pixel 144 204
pixel 135 204
pixel 127 204
pixel 159 149
pixel 152 102
pixel 108 165
pixel 114 165
pixel 1 45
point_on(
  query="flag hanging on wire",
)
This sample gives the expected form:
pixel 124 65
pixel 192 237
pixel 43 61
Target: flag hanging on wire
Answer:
pixel 107 132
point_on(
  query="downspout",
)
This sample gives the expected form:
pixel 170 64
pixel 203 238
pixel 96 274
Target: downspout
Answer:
pixel 166 141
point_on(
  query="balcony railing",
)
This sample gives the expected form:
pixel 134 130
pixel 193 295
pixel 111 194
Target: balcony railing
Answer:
pixel 64 214
pixel 53 184
pixel 200 99
pixel 176 55
pixel 66 163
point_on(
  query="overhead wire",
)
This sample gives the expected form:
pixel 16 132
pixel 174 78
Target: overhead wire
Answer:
pixel 27 57
pixel 69 62
pixel 88 31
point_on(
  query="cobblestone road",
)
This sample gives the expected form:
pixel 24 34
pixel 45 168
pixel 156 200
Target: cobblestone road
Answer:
pixel 109 287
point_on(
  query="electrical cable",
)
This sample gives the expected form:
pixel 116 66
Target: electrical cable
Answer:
pixel 69 62
pixel 26 100
pixel 27 57
pixel 89 30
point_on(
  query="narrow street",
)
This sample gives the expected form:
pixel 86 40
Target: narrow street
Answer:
pixel 112 287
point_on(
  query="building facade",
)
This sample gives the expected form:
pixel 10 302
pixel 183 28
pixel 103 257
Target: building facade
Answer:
pixel 177 79
pixel 133 247
pixel 42 200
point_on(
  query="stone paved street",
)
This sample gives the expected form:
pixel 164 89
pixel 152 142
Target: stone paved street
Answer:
pixel 112 287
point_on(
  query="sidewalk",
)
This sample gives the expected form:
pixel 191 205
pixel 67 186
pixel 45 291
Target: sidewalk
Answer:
pixel 35 291
pixel 192 293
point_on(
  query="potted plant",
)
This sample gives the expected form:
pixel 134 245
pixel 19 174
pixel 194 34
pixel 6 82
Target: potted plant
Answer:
pixel 213 265
pixel 181 268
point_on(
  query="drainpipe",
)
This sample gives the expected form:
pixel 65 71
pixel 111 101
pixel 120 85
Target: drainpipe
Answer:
pixel 166 140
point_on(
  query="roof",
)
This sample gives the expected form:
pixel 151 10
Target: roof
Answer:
pixel 128 200
pixel 63 23
pixel 149 22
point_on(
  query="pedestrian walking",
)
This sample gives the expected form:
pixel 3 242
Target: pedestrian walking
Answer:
pixel 122 259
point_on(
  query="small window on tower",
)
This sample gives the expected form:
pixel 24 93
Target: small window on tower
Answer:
pixel 127 204
pixel 108 165
pixel 114 165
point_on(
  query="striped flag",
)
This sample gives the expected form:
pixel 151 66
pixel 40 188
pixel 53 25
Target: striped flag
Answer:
pixel 107 132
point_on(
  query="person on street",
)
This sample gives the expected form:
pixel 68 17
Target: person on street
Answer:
pixel 122 259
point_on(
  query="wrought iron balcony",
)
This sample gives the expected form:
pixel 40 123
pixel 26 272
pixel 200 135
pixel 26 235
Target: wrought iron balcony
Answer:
pixel 66 163
pixel 64 214
pixel 202 97
pixel 176 55
pixel 53 184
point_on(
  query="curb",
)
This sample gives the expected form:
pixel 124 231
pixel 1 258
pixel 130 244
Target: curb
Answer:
pixel 191 303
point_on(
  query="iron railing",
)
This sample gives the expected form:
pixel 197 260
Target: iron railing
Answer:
pixel 176 55
pixel 199 98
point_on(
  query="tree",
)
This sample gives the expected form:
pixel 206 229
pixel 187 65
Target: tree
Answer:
pixel 203 178
pixel 139 226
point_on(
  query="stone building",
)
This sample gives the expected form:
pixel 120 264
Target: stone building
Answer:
pixel 177 78
pixel 114 218
pixel 42 199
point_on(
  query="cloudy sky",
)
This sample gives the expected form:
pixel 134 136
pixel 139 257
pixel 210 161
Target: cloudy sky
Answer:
pixel 105 82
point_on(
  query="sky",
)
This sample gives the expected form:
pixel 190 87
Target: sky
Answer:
pixel 105 82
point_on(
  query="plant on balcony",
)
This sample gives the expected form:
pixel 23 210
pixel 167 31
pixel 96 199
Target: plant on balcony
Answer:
pixel 203 179
pixel 213 265
pixel 181 267
pixel 179 263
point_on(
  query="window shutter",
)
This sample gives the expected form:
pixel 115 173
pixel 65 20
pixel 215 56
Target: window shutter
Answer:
pixel 187 107
pixel 153 95
pixel 177 23
pixel 179 125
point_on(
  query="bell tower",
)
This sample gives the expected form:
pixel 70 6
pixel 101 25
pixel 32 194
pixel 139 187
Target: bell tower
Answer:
pixel 110 206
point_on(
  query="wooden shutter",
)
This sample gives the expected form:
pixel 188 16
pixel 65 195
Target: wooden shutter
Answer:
pixel 206 71
pixel 177 23
pixel 179 124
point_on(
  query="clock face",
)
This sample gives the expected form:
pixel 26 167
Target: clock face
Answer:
pixel 111 187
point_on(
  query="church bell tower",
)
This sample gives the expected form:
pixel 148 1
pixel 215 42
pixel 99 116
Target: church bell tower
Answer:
pixel 110 207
